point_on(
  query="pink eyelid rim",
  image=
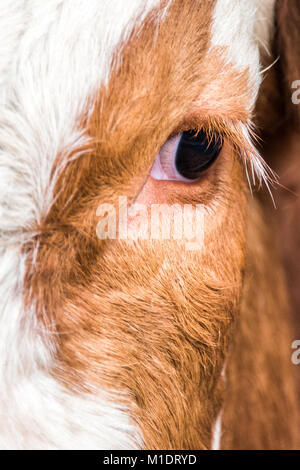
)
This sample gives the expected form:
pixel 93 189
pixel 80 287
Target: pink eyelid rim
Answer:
pixel 163 168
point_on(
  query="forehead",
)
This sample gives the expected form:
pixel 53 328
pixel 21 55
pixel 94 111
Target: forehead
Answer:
pixel 187 58
pixel 66 49
pixel 71 45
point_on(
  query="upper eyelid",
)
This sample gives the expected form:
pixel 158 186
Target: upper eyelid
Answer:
pixel 226 128
pixel 239 134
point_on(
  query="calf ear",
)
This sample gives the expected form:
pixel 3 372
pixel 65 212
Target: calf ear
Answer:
pixel 287 46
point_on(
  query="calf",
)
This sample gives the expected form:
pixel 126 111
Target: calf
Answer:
pixel 111 337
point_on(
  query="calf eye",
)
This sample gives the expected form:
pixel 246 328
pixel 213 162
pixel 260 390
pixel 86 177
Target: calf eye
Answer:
pixel 186 156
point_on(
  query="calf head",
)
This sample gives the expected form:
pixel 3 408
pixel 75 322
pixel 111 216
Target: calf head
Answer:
pixel 113 340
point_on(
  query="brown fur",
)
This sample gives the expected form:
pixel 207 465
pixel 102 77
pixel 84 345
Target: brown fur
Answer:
pixel 148 318
pixel 284 149
pixel 261 404
pixel 280 124
pixel 287 46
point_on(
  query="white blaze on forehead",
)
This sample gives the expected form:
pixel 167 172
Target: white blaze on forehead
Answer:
pixel 52 62
pixel 264 22
pixel 54 56
pixel 244 27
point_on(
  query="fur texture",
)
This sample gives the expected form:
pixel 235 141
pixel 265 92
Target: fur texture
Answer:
pixel 42 52
pixel 133 335
pixel 245 29
pixel 283 144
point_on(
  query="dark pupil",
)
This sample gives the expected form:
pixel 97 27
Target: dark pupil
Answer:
pixel 196 153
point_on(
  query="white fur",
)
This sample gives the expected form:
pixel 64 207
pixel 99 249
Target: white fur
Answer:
pixel 54 55
pixel 36 412
pixel 264 23
pixel 217 434
pixel 243 27
pixel 60 53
